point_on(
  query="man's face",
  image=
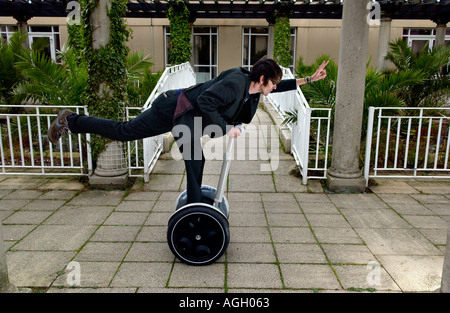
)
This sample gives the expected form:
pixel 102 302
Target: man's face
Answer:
pixel 269 87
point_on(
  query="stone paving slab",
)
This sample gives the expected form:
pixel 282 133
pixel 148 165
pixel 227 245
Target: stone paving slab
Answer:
pixel 285 237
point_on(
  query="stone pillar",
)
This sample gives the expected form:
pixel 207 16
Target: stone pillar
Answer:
pixel 5 285
pixel 101 28
pixel 22 25
pixel 344 174
pixel 112 169
pixel 270 18
pixel 441 29
pixel 270 41
pixel 383 42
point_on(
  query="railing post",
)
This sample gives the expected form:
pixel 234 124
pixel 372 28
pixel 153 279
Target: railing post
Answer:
pixel 146 143
pixel 419 134
pixel 88 147
pixel 307 130
pixel 368 145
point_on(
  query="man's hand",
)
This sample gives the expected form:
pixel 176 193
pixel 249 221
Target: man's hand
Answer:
pixel 321 73
pixel 234 132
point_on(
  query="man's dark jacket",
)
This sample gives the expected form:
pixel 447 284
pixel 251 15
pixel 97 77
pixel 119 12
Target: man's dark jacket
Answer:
pixel 224 100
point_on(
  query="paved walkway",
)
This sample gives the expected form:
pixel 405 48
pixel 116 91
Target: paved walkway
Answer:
pixel 285 237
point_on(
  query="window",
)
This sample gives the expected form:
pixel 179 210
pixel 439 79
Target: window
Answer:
pixel 255 45
pixel 45 38
pixel 6 32
pixel 292 49
pixel 204 54
pixel 419 38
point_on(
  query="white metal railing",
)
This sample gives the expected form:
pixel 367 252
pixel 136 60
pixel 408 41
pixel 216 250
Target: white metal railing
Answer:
pixel 407 142
pixel 25 148
pixel 310 134
pixel 174 77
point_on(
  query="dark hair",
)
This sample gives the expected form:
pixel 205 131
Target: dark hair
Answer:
pixel 268 68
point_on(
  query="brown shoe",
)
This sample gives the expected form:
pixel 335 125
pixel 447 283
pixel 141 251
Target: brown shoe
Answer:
pixel 59 126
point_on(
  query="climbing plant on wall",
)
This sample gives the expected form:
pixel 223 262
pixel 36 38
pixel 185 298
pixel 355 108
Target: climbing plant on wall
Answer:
pixel 180 33
pixel 75 40
pixel 282 39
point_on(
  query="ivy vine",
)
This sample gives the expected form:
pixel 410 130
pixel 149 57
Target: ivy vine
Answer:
pixel 75 40
pixel 282 39
pixel 180 33
pixel 106 92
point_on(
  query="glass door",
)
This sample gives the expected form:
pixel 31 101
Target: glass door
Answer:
pixel 44 44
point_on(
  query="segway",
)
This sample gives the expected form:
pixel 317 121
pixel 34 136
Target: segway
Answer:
pixel 198 233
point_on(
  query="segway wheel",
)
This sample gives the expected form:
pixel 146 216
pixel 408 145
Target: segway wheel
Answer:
pixel 198 235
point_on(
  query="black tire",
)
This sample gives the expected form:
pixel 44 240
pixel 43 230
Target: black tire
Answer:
pixel 198 235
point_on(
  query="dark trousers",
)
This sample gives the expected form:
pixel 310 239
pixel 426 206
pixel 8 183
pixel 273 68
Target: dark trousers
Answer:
pixel 158 119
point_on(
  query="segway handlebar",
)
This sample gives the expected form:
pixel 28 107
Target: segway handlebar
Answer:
pixel 227 156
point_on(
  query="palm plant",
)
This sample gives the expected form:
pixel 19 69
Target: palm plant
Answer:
pixel 141 80
pixel 50 82
pixel 385 89
pixel 63 83
pixel 10 75
pixel 434 89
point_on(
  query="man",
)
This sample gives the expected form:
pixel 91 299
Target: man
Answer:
pixel 216 106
